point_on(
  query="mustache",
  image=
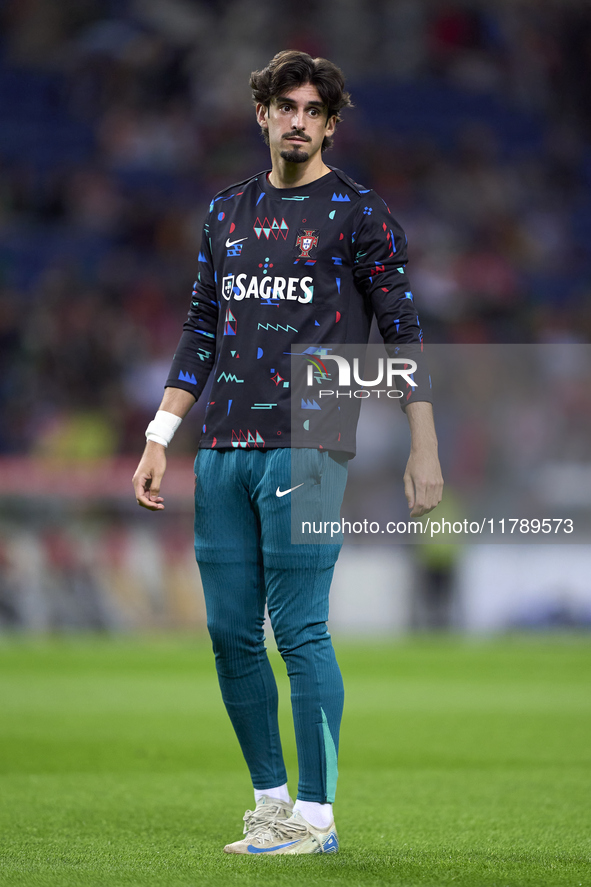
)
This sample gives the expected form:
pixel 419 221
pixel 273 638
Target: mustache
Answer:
pixel 296 133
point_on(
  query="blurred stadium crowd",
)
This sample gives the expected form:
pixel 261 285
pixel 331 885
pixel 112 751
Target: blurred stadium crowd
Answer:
pixel 120 120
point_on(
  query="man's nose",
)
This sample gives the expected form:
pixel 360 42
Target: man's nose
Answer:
pixel 298 120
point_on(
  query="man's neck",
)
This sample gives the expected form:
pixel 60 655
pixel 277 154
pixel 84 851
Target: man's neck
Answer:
pixel 294 175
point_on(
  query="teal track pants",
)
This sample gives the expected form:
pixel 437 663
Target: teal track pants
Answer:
pixel 246 559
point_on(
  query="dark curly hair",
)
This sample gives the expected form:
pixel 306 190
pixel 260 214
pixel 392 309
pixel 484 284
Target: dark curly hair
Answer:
pixel 289 69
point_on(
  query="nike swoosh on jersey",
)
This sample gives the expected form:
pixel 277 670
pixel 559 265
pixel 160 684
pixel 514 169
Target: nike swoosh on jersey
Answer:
pixel 230 243
pixel 252 849
pixel 279 493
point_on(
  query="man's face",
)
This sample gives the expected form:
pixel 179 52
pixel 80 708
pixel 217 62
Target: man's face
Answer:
pixel 296 123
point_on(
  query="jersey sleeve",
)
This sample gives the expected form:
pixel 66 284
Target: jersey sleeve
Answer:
pixel 195 354
pixel 380 258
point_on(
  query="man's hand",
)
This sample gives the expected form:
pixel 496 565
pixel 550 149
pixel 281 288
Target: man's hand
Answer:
pixel 423 483
pixel 148 476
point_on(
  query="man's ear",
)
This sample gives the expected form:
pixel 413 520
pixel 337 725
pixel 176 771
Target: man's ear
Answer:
pixel 262 112
pixel 331 125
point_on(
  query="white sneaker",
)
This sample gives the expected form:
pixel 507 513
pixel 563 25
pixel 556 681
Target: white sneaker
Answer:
pixel 267 812
pixel 283 836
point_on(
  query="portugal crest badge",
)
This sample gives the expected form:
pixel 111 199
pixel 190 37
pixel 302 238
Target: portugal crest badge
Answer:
pixel 228 286
pixel 307 240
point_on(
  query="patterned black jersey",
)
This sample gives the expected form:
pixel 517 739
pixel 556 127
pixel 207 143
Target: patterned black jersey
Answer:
pixel 279 267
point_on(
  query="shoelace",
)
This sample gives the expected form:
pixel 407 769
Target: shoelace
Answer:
pixel 254 820
pixel 281 830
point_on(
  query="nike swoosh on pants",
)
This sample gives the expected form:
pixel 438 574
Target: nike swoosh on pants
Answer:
pixel 279 493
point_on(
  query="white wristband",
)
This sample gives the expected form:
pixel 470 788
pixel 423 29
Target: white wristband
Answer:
pixel 162 427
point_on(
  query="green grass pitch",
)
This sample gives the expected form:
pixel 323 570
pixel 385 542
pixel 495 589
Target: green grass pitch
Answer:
pixel 464 763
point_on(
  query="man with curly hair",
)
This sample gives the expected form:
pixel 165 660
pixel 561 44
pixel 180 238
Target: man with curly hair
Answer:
pixel 297 254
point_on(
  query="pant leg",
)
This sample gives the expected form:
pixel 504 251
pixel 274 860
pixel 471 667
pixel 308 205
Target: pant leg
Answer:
pixel 227 547
pixel 297 580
